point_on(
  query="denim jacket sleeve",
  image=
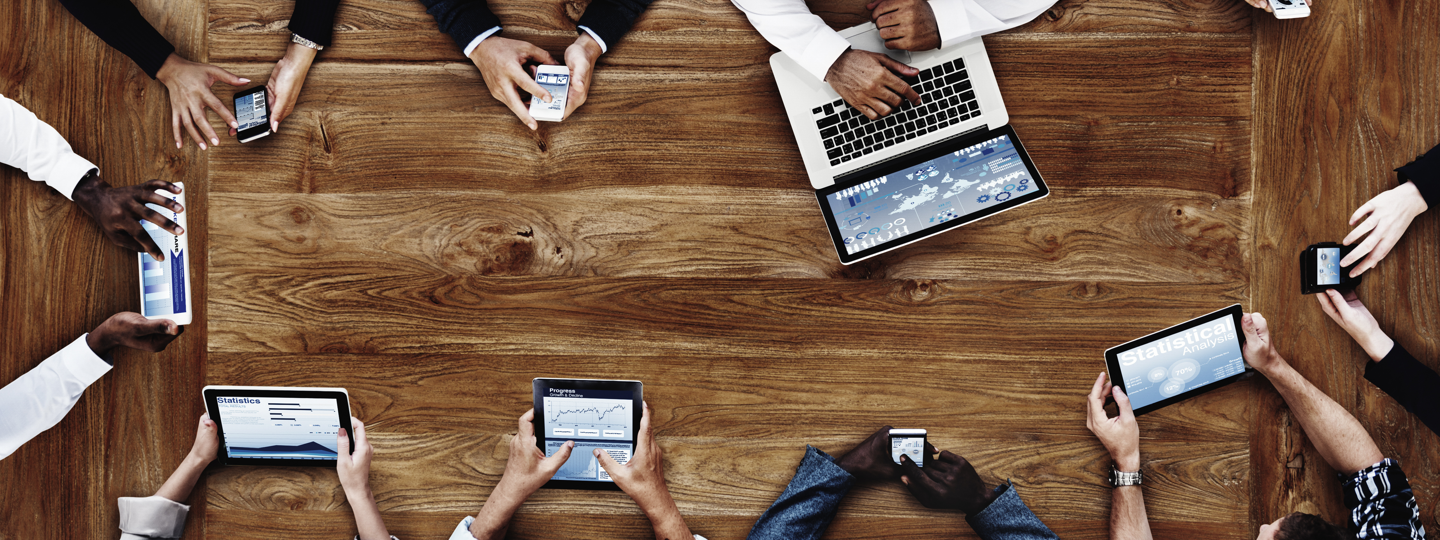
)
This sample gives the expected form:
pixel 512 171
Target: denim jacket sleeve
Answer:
pixel 1007 518
pixel 808 504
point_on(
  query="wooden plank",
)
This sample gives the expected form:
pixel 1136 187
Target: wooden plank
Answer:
pixel 400 30
pixel 1377 111
pixel 724 233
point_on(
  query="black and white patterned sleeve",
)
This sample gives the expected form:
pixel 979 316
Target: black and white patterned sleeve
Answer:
pixel 1381 503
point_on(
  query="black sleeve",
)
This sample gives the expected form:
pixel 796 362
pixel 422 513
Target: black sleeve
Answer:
pixel 611 19
pixel 462 19
pixel 120 26
pixel 314 20
pixel 1411 383
pixel 1425 172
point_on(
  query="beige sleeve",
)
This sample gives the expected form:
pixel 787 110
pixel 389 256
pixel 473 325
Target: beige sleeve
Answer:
pixel 151 517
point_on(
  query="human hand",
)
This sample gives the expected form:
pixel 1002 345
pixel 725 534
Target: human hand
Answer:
pixel 133 330
pixel 527 468
pixel 189 86
pixel 207 440
pixel 118 211
pixel 643 479
pixel 1390 214
pixel 286 79
pixel 1265 4
pixel 580 57
pixel 1347 311
pixel 502 65
pixel 906 24
pixel 949 481
pixel 1121 434
pixel 1258 351
pixel 871 82
pixel 870 460
pixel 354 468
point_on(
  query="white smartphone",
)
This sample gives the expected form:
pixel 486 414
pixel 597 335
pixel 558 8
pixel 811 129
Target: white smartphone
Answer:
pixel 1290 9
pixel 165 285
pixel 910 442
pixel 556 81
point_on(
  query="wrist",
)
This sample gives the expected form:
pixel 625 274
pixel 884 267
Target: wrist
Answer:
pixel 196 462
pixel 166 73
pixel 835 66
pixel 99 341
pixel 1128 463
pixel 301 54
pixel 1377 345
pixel 1412 192
pixel 589 47
pixel 87 191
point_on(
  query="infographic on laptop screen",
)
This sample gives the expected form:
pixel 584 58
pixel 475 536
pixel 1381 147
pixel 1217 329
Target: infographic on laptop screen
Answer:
pixel 279 427
pixel 1170 366
pixel 593 419
pixel 932 193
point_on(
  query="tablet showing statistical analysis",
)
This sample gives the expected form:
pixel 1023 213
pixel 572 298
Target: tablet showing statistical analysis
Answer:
pixel 265 425
pixel 595 414
pixel 1180 362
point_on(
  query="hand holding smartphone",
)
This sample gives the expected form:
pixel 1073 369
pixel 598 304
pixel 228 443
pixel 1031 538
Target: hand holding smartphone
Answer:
pixel 910 442
pixel 556 81
pixel 252 113
pixel 1320 268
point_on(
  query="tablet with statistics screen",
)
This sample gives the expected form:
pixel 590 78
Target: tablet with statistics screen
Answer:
pixel 1180 362
pixel 268 425
pixel 928 192
pixel 595 414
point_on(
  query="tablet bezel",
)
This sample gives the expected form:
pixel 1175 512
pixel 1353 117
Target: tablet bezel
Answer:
pixel 341 397
pixel 913 159
pixel 1112 356
pixel 541 385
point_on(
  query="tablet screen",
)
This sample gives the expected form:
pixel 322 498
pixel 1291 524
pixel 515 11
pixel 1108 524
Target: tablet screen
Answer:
pixel 1327 266
pixel 279 427
pixel 1172 365
pixel 592 418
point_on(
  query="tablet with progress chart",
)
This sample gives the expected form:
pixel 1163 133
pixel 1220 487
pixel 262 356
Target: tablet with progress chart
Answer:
pixel 1180 362
pixel 268 425
pixel 593 413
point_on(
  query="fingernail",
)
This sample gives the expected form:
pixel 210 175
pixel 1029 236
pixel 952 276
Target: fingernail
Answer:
pixel 596 452
pixel 214 141
pixel 202 146
pixel 177 145
pixel 182 230
pixel 244 80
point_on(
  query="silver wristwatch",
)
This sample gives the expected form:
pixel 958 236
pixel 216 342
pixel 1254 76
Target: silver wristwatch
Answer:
pixel 1119 478
pixel 295 38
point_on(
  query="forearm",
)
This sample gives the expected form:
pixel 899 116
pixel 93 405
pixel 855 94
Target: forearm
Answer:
pixel 42 397
pixel 368 523
pixel 791 27
pixel 314 20
pixel 119 24
pixel 494 517
pixel 31 145
pixel 1410 383
pixel 1127 514
pixel 177 488
pixel 1339 438
pixel 665 518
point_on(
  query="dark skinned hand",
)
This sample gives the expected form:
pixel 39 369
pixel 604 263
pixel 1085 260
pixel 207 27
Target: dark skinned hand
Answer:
pixel 870 460
pixel 948 481
pixel 871 82
pixel 118 211
pixel 133 330
pixel 906 24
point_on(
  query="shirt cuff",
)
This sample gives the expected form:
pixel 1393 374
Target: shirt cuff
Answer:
pixel 152 517
pixel 68 172
pixel 603 49
pixel 476 42
pixel 820 54
pixel 462 531
pixel 950 19
pixel 83 363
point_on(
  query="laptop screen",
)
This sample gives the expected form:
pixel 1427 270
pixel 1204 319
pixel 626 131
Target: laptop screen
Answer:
pixel 945 186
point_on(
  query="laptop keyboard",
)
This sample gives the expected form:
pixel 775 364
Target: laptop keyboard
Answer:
pixel 945 100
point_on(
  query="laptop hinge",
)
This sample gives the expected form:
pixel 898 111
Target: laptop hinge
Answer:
pixel 863 170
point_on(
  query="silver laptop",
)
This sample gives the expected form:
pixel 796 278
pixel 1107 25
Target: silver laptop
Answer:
pixel 919 171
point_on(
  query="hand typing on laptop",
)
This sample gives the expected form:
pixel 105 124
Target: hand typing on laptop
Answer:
pixel 907 25
pixel 871 83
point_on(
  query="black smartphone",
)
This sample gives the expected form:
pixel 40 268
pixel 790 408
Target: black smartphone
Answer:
pixel 910 442
pixel 252 113
pixel 1320 268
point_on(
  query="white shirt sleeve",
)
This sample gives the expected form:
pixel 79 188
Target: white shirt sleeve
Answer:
pixel 960 20
pixel 151 517
pixel 476 42
pixel 603 48
pixel 42 397
pixel 462 531
pixel 791 27
pixel 33 146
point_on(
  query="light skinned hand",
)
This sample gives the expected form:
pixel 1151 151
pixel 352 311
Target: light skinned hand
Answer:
pixel 580 57
pixel 283 88
pixel 1121 434
pixel 948 481
pixel 118 211
pixel 1348 312
pixel 1389 215
pixel 870 460
pixel 502 65
pixel 354 468
pixel 207 440
pixel 1265 4
pixel 871 82
pixel 190 94
pixel 906 24
pixel 1258 350
pixel 527 468
pixel 133 330
pixel 643 479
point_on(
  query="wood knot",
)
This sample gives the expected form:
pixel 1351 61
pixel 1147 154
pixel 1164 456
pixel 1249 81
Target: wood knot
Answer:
pixel 1054 14
pixel 300 215
pixel 575 9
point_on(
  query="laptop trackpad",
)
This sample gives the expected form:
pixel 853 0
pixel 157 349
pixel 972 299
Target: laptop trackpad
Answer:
pixel 870 41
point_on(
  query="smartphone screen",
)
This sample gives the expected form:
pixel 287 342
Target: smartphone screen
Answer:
pixel 252 115
pixel 911 445
pixel 556 81
pixel 1327 266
